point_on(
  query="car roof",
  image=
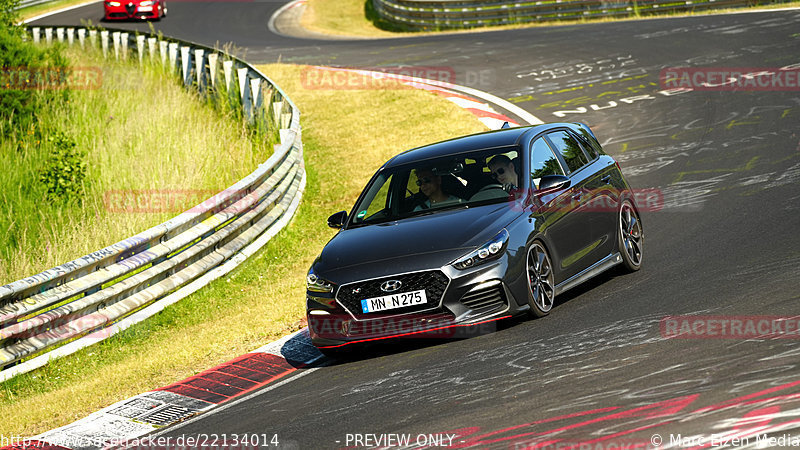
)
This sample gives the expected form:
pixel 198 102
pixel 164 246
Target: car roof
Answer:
pixel 506 137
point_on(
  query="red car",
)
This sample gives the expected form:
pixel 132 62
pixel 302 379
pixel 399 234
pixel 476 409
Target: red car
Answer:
pixel 134 9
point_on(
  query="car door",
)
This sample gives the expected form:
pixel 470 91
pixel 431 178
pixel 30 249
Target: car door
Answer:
pixel 603 184
pixel 552 212
pixel 574 237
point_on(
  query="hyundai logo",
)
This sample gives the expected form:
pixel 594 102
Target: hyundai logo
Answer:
pixel 391 285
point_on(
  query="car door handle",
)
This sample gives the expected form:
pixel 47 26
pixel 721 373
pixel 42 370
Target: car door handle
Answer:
pixel 606 179
pixel 577 195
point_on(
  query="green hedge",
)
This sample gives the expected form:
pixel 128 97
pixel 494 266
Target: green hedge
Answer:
pixel 21 65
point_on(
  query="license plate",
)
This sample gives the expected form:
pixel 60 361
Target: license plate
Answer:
pixel 393 301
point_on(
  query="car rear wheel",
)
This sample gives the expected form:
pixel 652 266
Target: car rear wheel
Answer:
pixel 541 288
pixel 631 236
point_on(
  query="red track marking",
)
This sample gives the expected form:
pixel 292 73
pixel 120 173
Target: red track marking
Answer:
pixel 482 113
pixel 234 378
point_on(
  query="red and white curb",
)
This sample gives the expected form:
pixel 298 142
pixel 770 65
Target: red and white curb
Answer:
pixel 127 421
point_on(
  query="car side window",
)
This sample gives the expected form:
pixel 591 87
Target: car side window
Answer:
pixel 543 162
pixel 570 150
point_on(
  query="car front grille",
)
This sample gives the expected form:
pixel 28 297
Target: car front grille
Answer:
pixel 486 298
pixel 434 282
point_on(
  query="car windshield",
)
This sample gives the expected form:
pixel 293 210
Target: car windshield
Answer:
pixel 435 185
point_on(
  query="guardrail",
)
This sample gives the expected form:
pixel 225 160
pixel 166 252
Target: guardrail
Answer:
pixel 93 297
pixel 450 14
pixel 27 3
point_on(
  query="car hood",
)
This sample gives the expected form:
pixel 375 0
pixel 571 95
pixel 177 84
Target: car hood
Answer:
pixel 415 243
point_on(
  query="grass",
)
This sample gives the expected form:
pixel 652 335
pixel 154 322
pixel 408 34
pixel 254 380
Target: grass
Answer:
pixel 346 18
pixel 357 18
pixel 138 131
pixel 346 135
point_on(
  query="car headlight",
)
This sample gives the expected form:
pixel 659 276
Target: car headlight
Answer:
pixel 486 252
pixel 146 3
pixel 317 284
pixel 113 3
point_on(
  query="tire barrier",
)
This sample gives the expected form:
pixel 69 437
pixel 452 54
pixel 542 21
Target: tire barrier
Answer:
pixel 93 297
pixel 451 14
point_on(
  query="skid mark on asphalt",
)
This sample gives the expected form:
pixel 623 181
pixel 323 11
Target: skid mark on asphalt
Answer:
pixel 540 365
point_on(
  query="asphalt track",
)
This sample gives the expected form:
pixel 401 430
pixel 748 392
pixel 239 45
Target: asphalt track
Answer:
pixel 598 370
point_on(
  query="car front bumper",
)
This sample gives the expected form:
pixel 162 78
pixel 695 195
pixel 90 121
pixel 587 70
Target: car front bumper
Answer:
pixel 470 303
pixel 129 11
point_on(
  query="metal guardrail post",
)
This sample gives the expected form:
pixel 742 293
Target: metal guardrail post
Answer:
pixel 115 42
pixel 140 47
pixel 212 68
pixel 198 67
pixel 173 55
pixel 185 64
pixel 227 67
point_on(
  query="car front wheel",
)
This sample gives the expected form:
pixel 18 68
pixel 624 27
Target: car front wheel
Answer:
pixel 541 288
pixel 631 236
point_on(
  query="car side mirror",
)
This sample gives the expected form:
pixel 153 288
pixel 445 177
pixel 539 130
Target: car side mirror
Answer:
pixel 552 183
pixel 337 220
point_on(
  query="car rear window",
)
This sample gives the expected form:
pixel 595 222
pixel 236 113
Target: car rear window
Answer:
pixel 570 149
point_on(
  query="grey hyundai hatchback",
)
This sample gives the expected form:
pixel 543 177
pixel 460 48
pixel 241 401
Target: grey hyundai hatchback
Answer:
pixel 472 230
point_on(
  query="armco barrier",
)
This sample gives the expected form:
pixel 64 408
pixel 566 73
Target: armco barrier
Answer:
pixel 449 14
pixel 27 3
pixel 97 295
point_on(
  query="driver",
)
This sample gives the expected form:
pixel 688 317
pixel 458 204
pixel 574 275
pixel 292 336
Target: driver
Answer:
pixel 504 172
pixel 431 186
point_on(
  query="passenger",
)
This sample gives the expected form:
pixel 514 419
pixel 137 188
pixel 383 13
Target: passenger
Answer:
pixel 504 172
pixel 431 186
